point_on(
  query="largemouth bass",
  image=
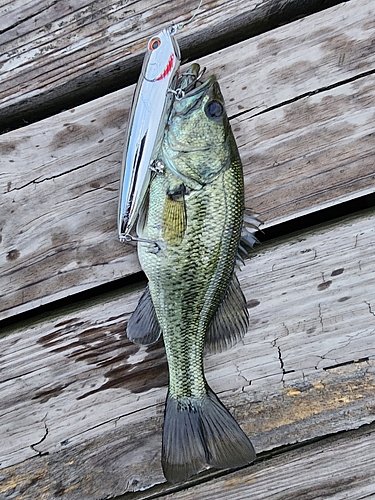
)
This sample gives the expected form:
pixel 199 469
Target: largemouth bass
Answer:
pixel 189 235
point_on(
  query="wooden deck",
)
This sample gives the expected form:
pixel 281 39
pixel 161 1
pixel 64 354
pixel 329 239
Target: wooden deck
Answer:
pixel 81 408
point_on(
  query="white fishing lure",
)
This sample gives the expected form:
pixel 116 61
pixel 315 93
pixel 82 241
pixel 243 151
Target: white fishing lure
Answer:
pixel 152 102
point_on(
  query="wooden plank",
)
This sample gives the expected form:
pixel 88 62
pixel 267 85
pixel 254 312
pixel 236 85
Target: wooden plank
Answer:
pixel 81 408
pixel 332 469
pixel 310 154
pixel 60 176
pixel 53 53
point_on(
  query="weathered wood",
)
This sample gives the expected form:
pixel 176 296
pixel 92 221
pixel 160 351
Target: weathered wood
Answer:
pixel 335 468
pixel 54 55
pixel 60 176
pixel 72 386
pixel 81 408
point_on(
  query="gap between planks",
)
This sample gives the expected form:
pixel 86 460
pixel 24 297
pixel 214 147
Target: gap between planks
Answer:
pixel 336 467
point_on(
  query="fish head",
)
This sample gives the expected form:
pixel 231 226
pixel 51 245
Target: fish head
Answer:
pixel 202 109
pixel 197 132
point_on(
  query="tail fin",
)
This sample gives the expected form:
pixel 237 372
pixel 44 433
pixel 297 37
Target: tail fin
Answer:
pixel 201 433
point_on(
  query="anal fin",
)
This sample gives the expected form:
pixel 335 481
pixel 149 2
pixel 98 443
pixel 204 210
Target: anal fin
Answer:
pixel 143 325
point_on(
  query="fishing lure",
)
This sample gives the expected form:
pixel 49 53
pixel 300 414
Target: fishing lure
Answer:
pixel 154 95
pixel 150 109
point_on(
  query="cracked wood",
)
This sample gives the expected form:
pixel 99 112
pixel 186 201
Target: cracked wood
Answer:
pixel 303 147
pixel 305 369
pixel 81 408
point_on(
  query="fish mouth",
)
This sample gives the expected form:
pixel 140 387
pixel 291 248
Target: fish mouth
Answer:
pixel 193 99
pixel 202 87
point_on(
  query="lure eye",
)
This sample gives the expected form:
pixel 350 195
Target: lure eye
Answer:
pixel 214 109
pixel 154 43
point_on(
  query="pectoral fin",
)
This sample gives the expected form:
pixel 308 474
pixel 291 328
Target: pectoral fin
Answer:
pixel 143 325
pixel 231 320
pixel 174 216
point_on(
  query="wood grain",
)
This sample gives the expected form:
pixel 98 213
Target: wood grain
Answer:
pixel 305 133
pixel 56 53
pixel 81 408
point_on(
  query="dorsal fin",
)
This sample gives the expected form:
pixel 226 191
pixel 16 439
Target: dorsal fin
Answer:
pixel 248 239
pixel 231 320
pixel 143 325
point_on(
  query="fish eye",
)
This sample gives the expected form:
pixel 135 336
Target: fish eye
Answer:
pixel 154 43
pixel 214 109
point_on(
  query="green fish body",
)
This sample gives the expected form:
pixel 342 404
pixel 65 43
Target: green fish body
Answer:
pixel 189 239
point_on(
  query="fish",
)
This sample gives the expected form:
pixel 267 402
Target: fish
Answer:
pixel 152 101
pixel 192 237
